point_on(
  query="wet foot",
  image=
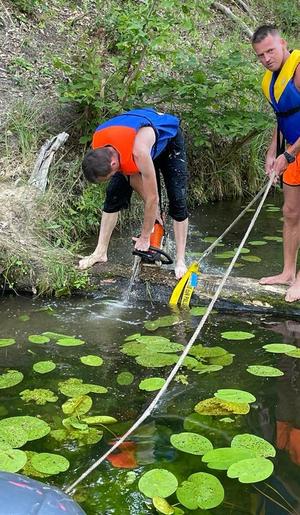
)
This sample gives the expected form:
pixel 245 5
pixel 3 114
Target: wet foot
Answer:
pixel 180 269
pixel 293 293
pixel 91 260
pixel 278 279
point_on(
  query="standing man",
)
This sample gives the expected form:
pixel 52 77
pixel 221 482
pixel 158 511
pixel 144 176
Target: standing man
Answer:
pixel 130 150
pixel 281 86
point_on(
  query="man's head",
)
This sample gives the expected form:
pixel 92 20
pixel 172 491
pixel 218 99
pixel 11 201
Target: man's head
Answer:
pixel 100 164
pixel 269 47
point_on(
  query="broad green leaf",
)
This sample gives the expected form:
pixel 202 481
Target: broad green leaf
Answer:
pixel 91 360
pixel 260 446
pixel 198 311
pixel 74 423
pixel 10 378
pixel 24 318
pixel 162 506
pixel 230 395
pixel 237 335
pixel 132 337
pixel 55 336
pixel 264 371
pixel 12 460
pixel 73 387
pixel 99 419
pixel 279 348
pixel 257 243
pixel 158 483
pixel 6 342
pixel 224 457
pixel 209 239
pixel 96 388
pixel 279 239
pixel 49 463
pixel 88 436
pixel 34 427
pixel 215 406
pixel 39 395
pixel 251 259
pixel 192 443
pixel 151 384
pixel 251 470
pixel 156 344
pixel 15 439
pixel 38 338
pixel 225 255
pixel 165 321
pixel 225 360
pixel 244 250
pixel 29 470
pixel 156 360
pixel 203 369
pixel 207 352
pixel 201 490
pixel 43 367
pixel 77 405
pixel 125 378
pixel 294 353
pixel 70 342
pixel 190 363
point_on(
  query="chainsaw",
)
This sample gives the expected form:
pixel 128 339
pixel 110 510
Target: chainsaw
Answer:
pixel 155 255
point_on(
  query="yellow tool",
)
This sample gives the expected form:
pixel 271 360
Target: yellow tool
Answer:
pixel 185 286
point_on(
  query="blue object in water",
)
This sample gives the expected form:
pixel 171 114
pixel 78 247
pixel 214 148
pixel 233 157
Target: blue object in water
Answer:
pixel 20 495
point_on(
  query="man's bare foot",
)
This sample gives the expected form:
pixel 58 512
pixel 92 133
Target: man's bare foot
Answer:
pixel 180 269
pixel 278 279
pixel 293 293
pixel 91 260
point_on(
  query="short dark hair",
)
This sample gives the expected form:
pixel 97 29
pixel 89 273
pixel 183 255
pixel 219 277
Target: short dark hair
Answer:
pixel 262 32
pixel 97 163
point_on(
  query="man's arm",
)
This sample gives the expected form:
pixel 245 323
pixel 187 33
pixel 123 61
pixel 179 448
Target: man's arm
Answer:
pixel 143 144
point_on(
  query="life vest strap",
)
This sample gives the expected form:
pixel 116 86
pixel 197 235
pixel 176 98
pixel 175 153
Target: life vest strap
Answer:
pixel 289 112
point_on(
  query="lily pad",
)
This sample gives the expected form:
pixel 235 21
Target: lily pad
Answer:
pixel 70 342
pixel 158 344
pixel 201 490
pixel 43 367
pixel 257 243
pixel 100 419
pixel 29 470
pixel 260 446
pixel 203 369
pixel 230 395
pixel 77 405
pixel 190 363
pixel 14 439
pixel 237 335
pixel 264 371
pixel 6 342
pixel 56 336
pixel 165 321
pixel 156 360
pixel 162 506
pixel 49 463
pixel 73 387
pixel 34 427
pixel 151 384
pixel 215 406
pixel 251 259
pixel 88 436
pixel 38 395
pixel 279 348
pixel 251 470
pixel 158 483
pixel 12 460
pixel 38 338
pixel 198 311
pixel 132 337
pixel 191 443
pixel 125 378
pixel 209 239
pixel 225 360
pixel 294 353
pixel 225 255
pixel 279 239
pixel 74 423
pixel 207 352
pixel 244 250
pixel 10 378
pixel 224 457
pixel 96 388
pixel 91 360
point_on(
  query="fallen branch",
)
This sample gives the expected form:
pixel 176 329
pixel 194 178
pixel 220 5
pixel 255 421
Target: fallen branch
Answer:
pixel 232 16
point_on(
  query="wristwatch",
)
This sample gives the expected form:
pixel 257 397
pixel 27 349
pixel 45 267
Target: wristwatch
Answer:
pixel 289 157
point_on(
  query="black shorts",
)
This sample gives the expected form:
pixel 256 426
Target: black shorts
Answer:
pixel 171 163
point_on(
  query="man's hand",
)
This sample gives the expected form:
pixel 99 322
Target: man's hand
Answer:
pixel 142 243
pixel 269 164
pixel 280 165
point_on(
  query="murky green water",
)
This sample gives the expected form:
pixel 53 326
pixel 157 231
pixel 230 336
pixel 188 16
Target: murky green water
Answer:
pixel 103 323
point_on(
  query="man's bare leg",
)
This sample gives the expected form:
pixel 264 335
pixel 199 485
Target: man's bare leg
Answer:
pixel 108 223
pixel 180 231
pixel 291 237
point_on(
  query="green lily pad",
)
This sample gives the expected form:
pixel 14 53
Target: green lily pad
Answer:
pixel 39 395
pixel 198 311
pixel 190 363
pixel 279 348
pixel 77 405
pixel 156 360
pixel 34 427
pixel 49 463
pixel 294 353
pixel 260 446
pixel 225 360
pixel 159 344
pixel 264 371
pixel 207 352
pixel 203 369
pixel 162 506
pixel 132 337
pixel 251 470
pixel 24 318
pixel 91 360
pixel 230 395
pixel 6 342
pixel 224 457
pixel 191 443
pixel 43 367
pixel 99 419
pixel 97 388
pixel 88 436
pixel 158 483
pixel 29 470
pixel 38 338
pixel 14 439
pixel 258 243
pixel 151 384
pixel 215 406
pixel 70 342
pixel 251 259
pixel 74 423
pixel 209 239
pixel 73 387
pixel 279 239
pixel 201 490
pixel 12 460
pixel 273 209
pixel 56 336
pixel 237 335
pixel 244 250
pixel 10 378
pixel 165 321
pixel 225 255
pixel 125 378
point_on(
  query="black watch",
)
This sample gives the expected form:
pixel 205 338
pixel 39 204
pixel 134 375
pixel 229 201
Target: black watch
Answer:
pixel 290 159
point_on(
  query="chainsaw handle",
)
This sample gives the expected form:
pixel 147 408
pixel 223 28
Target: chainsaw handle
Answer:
pixel 155 254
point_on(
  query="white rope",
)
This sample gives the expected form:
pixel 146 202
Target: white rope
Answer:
pixel 174 371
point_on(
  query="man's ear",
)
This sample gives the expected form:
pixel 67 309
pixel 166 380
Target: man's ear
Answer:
pixel 283 43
